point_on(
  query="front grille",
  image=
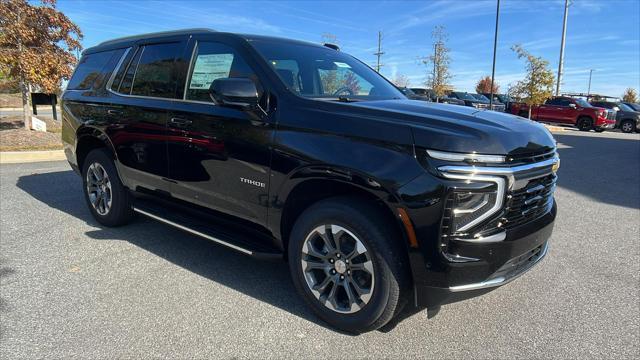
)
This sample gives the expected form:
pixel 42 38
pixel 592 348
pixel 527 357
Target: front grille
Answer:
pixel 531 157
pixel 611 115
pixel 530 202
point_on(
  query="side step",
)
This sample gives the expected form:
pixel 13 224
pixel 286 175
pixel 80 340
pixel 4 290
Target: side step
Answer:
pixel 245 243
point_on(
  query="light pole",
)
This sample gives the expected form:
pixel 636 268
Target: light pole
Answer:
pixel 589 88
pixel 495 45
pixel 564 35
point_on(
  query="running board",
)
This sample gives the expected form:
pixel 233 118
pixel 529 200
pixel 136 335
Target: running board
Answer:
pixel 237 242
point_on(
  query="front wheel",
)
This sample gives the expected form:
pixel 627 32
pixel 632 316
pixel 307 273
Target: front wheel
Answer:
pixel 346 263
pixel 108 200
pixel 585 124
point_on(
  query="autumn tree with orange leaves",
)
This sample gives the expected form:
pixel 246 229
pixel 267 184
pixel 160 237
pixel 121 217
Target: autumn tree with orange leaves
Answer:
pixel 484 86
pixel 37 43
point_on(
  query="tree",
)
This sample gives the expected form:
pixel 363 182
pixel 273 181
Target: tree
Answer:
pixel 37 43
pixel 352 83
pixel 484 86
pixel 401 81
pixel 439 76
pixel 630 95
pixel 537 86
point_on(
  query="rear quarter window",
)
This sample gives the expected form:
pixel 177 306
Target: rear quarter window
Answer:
pixel 91 67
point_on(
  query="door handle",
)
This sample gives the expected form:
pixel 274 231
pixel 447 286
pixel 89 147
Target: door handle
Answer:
pixel 180 122
pixel 114 112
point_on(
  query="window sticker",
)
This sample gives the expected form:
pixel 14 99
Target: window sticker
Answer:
pixel 342 65
pixel 209 68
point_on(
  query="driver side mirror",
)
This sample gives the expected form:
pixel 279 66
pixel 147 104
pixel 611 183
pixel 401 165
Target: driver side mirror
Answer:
pixel 234 92
pixel 573 106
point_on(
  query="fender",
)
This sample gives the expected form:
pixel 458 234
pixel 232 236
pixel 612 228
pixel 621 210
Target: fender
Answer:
pixel 334 176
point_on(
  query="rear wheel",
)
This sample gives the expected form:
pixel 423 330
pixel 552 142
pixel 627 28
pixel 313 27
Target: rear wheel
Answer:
pixel 585 124
pixel 346 263
pixel 627 126
pixel 108 200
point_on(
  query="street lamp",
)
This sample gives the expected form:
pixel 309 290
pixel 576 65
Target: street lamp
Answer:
pixel 495 45
pixel 589 88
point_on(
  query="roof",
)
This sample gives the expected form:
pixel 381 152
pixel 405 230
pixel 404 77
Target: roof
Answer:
pixel 154 35
pixel 128 40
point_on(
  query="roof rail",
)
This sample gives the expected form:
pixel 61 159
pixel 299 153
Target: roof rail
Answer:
pixel 154 34
pixel 332 46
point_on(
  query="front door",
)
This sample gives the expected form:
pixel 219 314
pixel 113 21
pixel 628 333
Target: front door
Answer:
pixel 219 157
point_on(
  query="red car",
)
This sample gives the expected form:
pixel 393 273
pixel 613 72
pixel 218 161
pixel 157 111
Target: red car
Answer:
pixel 569 111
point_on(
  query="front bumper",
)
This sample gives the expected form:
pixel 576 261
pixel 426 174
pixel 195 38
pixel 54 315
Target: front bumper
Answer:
pixel 499 264
pixel 605 124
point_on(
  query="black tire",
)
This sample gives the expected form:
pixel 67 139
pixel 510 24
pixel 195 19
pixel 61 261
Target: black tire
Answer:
pixel 599 130
pixel 627 126
pixel 389 258
pixel 120 211
pixel 585 124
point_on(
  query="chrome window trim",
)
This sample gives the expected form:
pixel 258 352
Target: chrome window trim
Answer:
pixel 116 69
pixel 187 80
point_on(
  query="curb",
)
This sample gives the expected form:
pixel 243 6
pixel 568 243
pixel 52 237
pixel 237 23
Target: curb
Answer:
pixel 15 157
pixel 20 109
pixel 554 128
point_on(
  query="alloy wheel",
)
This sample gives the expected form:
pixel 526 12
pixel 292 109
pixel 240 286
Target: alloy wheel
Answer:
pixel 627 127
pixel 337 268
pixel 99 188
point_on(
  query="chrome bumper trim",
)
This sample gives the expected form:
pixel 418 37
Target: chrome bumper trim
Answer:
pixel 484 240
pixel 499 281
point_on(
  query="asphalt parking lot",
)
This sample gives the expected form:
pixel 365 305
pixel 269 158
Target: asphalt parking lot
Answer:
pixel 71 288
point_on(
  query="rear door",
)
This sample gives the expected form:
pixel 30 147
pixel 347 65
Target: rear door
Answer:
pixel 219 156
pixel 142 92
pixel 550 111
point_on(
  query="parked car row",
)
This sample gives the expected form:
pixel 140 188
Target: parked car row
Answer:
pixel 596 115
pixel 565 110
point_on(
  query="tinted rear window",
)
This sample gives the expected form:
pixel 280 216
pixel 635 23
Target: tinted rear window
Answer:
pixel 89 69
pixel 155 75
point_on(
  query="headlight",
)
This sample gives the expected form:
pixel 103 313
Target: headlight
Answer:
pixel 469 208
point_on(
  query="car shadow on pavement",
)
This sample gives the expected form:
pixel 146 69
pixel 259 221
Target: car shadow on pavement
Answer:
pixel 267 281
pixel 604 169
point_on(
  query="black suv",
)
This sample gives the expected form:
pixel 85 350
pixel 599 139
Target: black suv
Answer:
pixel 627 119
pixel 283 149
pixel 469 100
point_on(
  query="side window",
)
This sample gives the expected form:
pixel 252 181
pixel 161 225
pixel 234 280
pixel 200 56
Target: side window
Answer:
pixel 215 61
pixel 155 75
pixel 89 69
pixel 555 102
pixel 289 73
pixel 129 72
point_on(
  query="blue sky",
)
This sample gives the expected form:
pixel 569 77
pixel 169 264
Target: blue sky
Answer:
pixel 603 35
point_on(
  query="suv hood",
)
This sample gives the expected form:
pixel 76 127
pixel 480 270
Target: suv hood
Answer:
pixel 462 129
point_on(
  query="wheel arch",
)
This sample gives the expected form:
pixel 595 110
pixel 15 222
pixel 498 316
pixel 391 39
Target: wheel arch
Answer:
pixel 90 138
pixel 304 190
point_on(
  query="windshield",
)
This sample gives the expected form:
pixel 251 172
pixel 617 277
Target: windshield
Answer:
pixel 481 97
pixel 635 107
pixel 463 95
pixel 407 91
pixel 320 72
pixel 624 107
pixel 582 102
